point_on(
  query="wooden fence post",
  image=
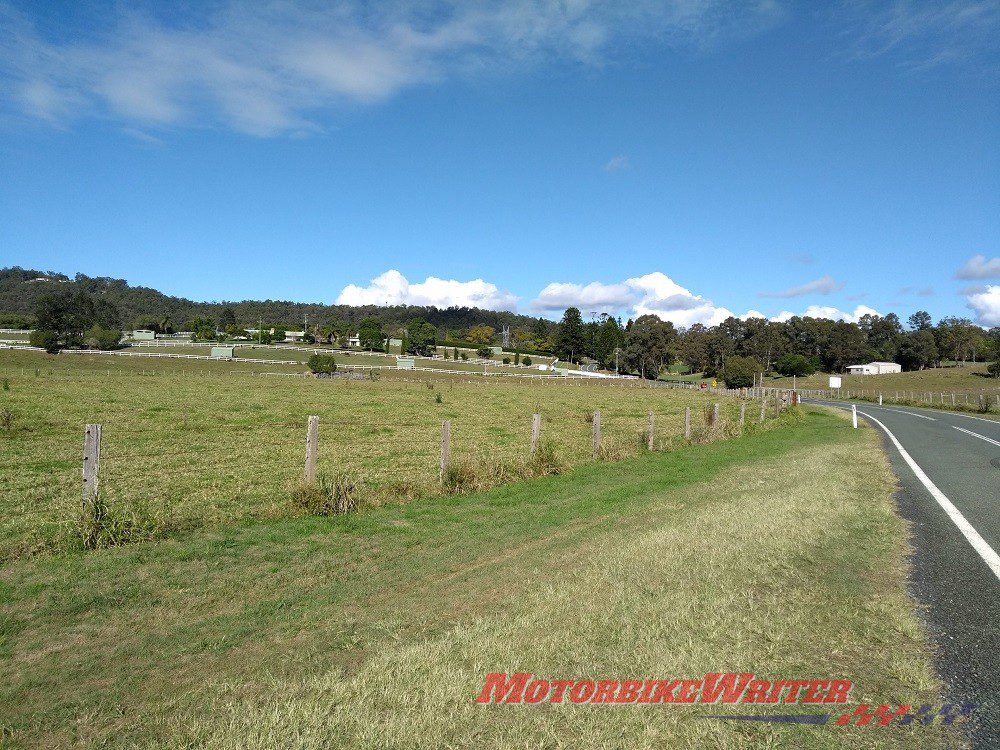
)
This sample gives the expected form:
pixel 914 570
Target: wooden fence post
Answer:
pixel 91 468
pixel 536 428
pixel 445 447
pixel 650 432
pixel 763 405
pixel 687 423
pixel 597 433
pixel 312 438
pixel 743 413
pixel 715 414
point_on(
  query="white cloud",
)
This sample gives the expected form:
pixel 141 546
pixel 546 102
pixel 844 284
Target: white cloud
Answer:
pixel 268 68
pixel 592 297
pixel 822 285
pixel 752 314
pixel 392 288
pixel 827 313
pixel 652 294
pixel 977 267
pixel 616 163
pixel 986 305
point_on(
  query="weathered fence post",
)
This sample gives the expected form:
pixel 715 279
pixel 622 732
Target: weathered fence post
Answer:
pixel 743 413
pixel 715 414
pixel 687 423
pixel 445 447
pixel 854 416
pixel 91 467
pixel 536 428
pixel 597 433
pixel 312 439
pixel 763 405
pixel 879 399
pixel 650 432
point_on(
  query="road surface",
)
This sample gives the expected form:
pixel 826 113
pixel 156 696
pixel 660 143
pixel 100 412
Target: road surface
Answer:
pixel 954 509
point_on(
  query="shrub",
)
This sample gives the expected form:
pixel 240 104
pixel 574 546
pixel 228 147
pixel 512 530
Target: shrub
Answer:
pixel 993 368
pixel 105 339
pixel 739 372
pixel 506 360
pixel 47 340
pixel 527 361
pixel 464 356
pixel 7 419
pixel 437 398
pixel 6 384
pixel 484 352
pixel 328 496
pixel 322 364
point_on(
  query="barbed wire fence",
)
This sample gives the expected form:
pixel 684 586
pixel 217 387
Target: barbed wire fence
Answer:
pixel 144 482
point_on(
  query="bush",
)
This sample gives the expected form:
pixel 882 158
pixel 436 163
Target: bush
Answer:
pixel 102 338
pixel 527 361
pixel 993 368
pixel 47 340
pixel 739 372
pixel 506 360
pixel 322 364
pixel 484 352
pixel 794 364
pixel 464 356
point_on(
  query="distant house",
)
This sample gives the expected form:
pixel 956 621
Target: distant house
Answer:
pixel 874 368
pixel 143 335
pixel 295 335
pixel 354 340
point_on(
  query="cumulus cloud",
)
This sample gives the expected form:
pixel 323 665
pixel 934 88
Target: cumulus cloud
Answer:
pixel 652 294
pixel 592 297
pixel 822 285
pixel 392 288
pixel 269 68
pixel 978 267
pixel 986 305
pixel 827 313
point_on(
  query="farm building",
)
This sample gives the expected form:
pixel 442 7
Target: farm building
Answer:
pixel 874 368
pixel 143 335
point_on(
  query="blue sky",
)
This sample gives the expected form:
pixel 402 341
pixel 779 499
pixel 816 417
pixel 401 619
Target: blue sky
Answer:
pixel 691 159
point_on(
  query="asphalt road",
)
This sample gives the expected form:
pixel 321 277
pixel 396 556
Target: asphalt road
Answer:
pixel 954 576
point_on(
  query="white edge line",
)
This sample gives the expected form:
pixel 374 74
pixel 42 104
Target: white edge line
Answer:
pixel 979 544
pixel 975 434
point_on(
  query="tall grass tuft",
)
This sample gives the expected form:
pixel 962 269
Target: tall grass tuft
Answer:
pixel 328 496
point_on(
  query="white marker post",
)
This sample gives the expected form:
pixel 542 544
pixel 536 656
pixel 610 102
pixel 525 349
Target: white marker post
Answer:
pixel 854 415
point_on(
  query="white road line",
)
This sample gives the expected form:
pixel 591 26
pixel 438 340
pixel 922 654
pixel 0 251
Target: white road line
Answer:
pixel 979 544
pixel 976 434
pixel 900 411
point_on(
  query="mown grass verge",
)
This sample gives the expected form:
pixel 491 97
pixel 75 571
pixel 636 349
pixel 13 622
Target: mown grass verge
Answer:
pixel 778 553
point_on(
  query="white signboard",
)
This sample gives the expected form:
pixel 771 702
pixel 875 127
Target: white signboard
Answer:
pixel 835 381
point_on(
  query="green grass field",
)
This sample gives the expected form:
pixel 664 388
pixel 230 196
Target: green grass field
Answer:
pixel 193 445
pixel 777 552
pixel 962 379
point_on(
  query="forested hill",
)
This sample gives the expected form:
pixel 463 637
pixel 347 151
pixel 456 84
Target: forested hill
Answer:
pixel 20 290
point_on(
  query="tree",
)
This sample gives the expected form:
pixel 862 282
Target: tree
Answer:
pixel 481 335
pixel 794 364
pixel 918 350
pixel 47 340
pixel 649 344
pixel 227 318
pixel 993 368
pixel 919 321
pixel 421 337
pixel 484 352
pixel 569 339
pixel 740 372
pixel 608 338
pixel 69 314
pixel 370 334
pixel 846 346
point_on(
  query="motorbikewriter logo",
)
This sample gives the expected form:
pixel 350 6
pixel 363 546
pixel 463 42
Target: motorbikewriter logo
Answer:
pixel 717 687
